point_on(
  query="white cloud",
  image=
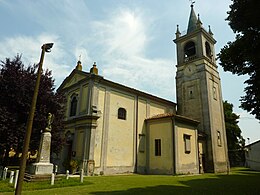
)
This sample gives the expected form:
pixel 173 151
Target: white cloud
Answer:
pixel 82 54
pixel 118 42
pixel 30 48
pixel 124 37
pixel 123 33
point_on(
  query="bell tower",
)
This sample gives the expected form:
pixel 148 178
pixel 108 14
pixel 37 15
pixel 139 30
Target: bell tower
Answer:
pixel 199 95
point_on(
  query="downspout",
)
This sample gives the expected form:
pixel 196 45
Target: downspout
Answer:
pixel 173 146
pixel 136 134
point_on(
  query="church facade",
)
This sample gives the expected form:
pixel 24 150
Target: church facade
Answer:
pixel 111 128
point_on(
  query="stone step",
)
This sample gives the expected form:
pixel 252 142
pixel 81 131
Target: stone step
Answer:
pixel 46 177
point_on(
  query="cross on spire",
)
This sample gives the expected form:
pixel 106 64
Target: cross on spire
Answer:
pixel 191 3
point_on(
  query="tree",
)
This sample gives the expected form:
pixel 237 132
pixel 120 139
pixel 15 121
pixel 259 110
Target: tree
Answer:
pixel 16 91
pixel 235 141
pixel 242 56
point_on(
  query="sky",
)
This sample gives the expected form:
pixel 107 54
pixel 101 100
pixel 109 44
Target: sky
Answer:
pixel 130 40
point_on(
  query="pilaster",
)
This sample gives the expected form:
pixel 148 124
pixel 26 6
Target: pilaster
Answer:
pixel 105 130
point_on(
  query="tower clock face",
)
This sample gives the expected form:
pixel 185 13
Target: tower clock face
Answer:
pixel 189 69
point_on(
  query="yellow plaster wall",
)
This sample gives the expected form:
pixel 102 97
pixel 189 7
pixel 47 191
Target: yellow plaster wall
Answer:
pixel 147 108
pixel 201 147
pixel 156 108
pixel 186 161
pixel 99 129
pixel 73 80
pixel 120 150
pixel 83 101
pixel 161 130
pixel 79 144
pixel 142 115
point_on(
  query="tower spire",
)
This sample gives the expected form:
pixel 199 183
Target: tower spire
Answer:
pixel 79 66
pixel 192 20
pixel 178 33
pixel 210 32
pixel 199 23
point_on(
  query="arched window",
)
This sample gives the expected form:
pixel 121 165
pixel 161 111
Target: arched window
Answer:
pixel 73 105
pixel 121 114
pixel 68 136
pixel 208 49
pixel 219 138
pixel 189 49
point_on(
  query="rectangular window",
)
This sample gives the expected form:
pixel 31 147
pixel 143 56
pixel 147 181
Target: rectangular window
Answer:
pixel 214 93
pixel 187 144
pixel 157 147
pixel 219 138
pixel 73 105
pixel 191 94
pixel 121 113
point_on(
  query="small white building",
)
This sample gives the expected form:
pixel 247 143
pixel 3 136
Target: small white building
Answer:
pixel 253 155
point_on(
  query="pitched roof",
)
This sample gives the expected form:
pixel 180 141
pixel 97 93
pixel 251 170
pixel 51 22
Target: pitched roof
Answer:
pixel 104 81
pixel 253 143
pixel 75 71
pixel 192 25
pixel 176 116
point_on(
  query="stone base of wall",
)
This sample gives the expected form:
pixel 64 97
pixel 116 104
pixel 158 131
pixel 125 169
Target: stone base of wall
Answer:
pixel 161 171
pixel 221 167
pixel 115 170
pixel 141 170
pixel 188 169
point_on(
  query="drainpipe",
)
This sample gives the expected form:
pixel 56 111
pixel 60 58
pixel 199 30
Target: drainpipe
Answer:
pixel 173 146
pixel 136 134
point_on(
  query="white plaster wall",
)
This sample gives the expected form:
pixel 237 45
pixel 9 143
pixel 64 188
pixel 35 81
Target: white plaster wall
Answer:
pixel 253 156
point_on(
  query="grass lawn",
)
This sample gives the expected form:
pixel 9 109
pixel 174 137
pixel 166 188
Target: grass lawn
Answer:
pixel 240 181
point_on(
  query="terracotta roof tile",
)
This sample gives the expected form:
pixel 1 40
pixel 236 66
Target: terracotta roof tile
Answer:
pixel 166 115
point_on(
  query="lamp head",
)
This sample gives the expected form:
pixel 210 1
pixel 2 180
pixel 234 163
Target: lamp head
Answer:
pixel 47 47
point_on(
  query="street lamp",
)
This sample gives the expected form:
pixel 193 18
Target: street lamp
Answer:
pixel 45 48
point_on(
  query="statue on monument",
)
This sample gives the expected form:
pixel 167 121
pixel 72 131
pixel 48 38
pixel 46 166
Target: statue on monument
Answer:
pixel 43 165
pixel 50 120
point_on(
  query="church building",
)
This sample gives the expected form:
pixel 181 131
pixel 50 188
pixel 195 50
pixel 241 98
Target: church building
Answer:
pixel 111 128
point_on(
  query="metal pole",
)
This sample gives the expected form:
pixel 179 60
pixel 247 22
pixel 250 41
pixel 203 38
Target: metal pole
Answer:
pixel 29 127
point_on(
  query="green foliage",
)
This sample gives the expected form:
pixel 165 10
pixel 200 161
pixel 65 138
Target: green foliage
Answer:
pixel 235 141
pixel 74 164
pixel 71 164
pixel 242 57
pixel 17 84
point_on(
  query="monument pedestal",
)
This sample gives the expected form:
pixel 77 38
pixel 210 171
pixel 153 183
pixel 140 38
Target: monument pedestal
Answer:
pixel 43 165
pixel 41 168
